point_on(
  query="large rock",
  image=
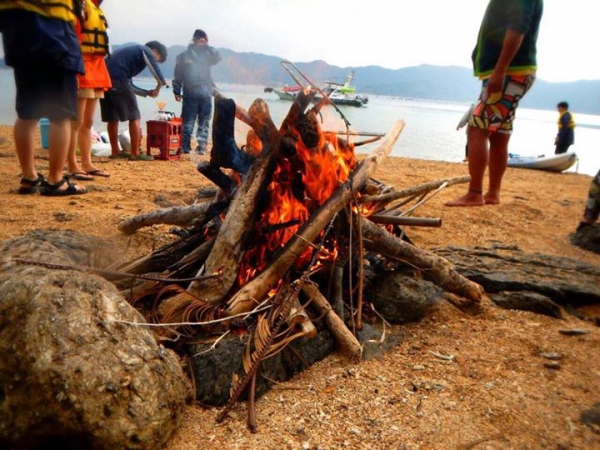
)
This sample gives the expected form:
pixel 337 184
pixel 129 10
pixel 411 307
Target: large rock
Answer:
pixel 400 296
pixel 565 281
pixel 73 374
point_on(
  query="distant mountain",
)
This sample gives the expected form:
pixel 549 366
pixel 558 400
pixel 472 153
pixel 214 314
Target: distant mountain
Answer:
pixel 446 83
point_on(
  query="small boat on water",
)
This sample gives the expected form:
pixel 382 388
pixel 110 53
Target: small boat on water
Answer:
pixel 339 93
pixel 552 163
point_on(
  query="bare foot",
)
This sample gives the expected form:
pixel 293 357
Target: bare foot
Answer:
pixel 471 198
pixel 491 199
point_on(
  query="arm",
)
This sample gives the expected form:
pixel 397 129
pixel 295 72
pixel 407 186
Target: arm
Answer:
pixel 510 47
pixel 178 79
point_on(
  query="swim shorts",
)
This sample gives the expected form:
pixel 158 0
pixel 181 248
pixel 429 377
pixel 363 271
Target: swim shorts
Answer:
pixel 498 114
pixel 119 103
pixel 44 91
pixel 592 206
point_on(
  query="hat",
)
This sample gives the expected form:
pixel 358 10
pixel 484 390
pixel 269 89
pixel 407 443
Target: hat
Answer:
pixel 199 34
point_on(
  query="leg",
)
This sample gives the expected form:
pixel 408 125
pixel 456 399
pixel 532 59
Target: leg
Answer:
pixel 497 165
pixel 188 117
pixel 113 137
pixel 592 206
pixel 85 135
pixel 24 134
pixel 204 113
pixel 134 132
pixel 478 162
pixel 72 165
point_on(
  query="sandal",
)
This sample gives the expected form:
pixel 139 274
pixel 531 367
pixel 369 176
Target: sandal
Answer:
pixel 80 175
pixel 98 173
pixel 121 155
pixel 53 190
pixel 30 186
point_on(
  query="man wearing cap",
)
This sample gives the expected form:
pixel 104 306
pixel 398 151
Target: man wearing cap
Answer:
pixel 193 84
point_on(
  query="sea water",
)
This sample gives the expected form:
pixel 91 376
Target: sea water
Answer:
pixel 430 131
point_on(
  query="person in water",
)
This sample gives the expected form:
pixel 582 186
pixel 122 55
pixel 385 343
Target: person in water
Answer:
pixel 505 59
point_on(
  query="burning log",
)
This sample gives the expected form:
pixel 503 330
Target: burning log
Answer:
pixel 255 290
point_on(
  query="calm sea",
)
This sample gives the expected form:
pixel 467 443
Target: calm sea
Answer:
pixel 430 131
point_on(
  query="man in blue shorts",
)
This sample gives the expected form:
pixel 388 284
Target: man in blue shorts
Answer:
pixel 41 45
pixel 120 103
pixel 505 59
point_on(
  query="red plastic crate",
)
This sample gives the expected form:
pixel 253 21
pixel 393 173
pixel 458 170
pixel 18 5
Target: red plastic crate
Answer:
pixel 165 136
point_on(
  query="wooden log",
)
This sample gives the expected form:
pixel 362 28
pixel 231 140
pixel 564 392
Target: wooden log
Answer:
pixel 434 268
pixel 348 342
pixel 409 221
pixel 177 215
pixel 414 190
pixel 227 252
pixel 214 174
pixel 254 291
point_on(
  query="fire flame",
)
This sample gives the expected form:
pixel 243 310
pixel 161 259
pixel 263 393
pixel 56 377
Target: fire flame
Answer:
pixel 300 184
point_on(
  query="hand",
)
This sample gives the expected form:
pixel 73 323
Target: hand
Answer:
pixel 153 93
pixel 177 97
pixel 495 86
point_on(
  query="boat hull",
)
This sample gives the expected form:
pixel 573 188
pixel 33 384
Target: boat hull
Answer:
pixel 553 163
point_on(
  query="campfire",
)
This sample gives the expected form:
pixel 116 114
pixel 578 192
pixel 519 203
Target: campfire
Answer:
pixel 284 242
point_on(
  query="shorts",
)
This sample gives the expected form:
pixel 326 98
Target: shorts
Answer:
pixel 90 93
pixel 592 206
pixel 44 91
pixel 497 115
pixel 119 103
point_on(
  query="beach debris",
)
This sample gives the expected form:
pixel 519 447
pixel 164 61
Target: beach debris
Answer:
pixel 574 332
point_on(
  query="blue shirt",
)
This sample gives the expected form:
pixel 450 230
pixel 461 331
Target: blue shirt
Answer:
pixel 127 62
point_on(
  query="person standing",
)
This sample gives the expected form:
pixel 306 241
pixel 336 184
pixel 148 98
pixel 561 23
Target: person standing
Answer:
pixel 505 59
pixel 592 206
pixel 119 103
pixel 193 83
pixel 566 129
pixel 93 39
pixel 41 45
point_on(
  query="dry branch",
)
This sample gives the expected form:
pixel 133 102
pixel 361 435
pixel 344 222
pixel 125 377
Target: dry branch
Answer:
pixel 434 268
pixel 348 342
pixel 414 190
pixel 177 215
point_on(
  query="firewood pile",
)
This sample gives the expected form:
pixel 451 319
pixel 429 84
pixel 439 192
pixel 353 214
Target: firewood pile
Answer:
pixel 296 221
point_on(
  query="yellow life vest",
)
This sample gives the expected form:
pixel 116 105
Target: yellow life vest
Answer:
pixel 94 36
pixel 571 124
pixel 56 9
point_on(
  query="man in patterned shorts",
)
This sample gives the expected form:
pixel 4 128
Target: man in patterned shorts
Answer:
pixel 592 206
pixel 505 60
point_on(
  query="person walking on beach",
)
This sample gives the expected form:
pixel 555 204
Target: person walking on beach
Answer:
pixel 93 39
pixel 193 83
pixel 505 59
pixel 41 45
pixel 566 129
pixel 119 103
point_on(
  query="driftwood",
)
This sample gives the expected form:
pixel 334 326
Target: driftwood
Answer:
pixel 434 268
pixel 177 215
pixel 254 291
pixel 336 325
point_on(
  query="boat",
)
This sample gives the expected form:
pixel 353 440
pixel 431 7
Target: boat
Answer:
pixel 553 163
pixel 339 93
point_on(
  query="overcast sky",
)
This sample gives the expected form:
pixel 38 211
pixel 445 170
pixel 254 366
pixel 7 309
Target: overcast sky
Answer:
pixel 387 33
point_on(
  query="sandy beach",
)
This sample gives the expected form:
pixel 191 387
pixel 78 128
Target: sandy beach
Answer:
pixel 495 394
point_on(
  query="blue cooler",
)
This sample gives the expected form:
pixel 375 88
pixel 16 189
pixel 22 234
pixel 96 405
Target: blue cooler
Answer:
pixel 44 132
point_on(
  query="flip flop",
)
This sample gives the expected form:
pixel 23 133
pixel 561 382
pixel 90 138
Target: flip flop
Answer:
pixel 30 186
pixel 80 176
pixel 98 173
pixel 53 190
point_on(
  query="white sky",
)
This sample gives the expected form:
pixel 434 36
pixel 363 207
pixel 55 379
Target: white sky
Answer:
pixel 387 33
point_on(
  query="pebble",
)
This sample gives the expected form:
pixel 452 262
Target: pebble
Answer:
pixel 552 356
pixel 552 365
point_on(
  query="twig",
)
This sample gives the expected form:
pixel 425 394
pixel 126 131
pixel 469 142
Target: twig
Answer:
pixel 470 445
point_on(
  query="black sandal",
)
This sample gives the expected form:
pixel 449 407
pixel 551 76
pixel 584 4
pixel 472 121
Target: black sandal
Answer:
pixel 30 186
pixel 53 190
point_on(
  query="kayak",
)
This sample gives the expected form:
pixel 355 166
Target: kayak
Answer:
pixel 553 163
